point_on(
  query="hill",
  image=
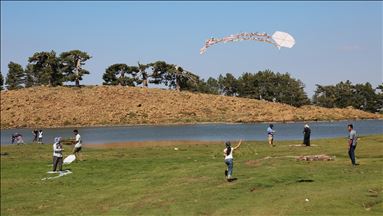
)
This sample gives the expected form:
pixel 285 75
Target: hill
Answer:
pixel 117 105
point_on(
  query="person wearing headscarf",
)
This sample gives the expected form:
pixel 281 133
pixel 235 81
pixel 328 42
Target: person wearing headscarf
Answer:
pixel 306 135
pixel 57 154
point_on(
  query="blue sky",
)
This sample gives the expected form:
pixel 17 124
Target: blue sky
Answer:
pixel 335 41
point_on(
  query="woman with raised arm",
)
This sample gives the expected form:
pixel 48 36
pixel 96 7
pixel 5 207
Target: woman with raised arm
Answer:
pixel 228 153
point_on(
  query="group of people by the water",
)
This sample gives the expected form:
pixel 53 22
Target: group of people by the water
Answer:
pixel 306 135
pixel 228 151
pixel 57 146
pixel 38 136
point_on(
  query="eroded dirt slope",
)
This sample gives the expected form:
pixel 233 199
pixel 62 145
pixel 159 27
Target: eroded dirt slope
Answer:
pixel 117 105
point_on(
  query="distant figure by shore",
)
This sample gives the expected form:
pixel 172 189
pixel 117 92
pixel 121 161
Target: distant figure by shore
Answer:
pixel 306 135
pixel 40 141
pixel 352 142
pixel 18 138
pixel 270 134
pixel 78 143
pixel 35 133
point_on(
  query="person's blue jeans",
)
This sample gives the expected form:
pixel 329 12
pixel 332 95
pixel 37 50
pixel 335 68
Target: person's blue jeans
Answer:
pixel 351 153
pixel 229 163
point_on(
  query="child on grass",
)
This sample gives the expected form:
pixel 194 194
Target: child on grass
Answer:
pixel 228 153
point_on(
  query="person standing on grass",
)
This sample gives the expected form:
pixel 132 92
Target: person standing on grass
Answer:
pixel 57 154
pixel 306 135
pixel 13 138
pixel 35 135
pixel 228 153
pixel 78 144
pixel 40 137
pixel 270 134
pixel 352 141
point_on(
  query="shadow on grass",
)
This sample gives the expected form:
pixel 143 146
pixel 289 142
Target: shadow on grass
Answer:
pixel 232 179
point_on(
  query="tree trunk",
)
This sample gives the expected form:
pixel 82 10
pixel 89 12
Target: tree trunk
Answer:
pixel 178 87
pixel 145 83
pixel 144 80
pixel 77 71
pixel 121 80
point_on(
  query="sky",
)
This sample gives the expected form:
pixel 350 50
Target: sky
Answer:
pixel 335 41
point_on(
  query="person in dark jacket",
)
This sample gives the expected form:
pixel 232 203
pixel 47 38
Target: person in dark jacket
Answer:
pixel 35 135
pixel 306 135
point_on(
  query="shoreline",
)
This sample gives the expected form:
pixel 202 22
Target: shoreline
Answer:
pixel 178 143
pixel 165 143
pixel 188 124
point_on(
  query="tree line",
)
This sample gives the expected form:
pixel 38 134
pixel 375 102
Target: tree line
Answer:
pixel 47 68
pixel 345 94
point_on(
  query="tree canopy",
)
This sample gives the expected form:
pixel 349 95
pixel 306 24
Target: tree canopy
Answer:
pixel 15 77
pixel 264 85
pixel 44 69
pixel 71 63
pixel 1 81
pixel 120 74
pixel 345 94
pixel 169 75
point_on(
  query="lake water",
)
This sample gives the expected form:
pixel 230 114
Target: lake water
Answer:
pixel 203 132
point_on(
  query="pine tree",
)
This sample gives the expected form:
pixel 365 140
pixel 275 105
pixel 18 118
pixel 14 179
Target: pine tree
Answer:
pixel 1 81
pixel 45 68
pixel 71 63
pixel 16 76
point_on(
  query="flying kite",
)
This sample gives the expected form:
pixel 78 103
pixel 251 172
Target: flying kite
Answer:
pixel 278 39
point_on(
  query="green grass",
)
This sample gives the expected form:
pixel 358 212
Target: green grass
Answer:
pixel 190 181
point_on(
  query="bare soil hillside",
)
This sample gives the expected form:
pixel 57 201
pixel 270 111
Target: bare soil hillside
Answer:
pixel 117 105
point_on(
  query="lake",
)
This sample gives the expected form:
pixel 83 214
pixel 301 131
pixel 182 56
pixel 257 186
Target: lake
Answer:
pixel 203 132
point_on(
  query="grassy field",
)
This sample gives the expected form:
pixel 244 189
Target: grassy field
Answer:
pixel 158 180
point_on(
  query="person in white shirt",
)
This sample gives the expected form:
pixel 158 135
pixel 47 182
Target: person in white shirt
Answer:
pixel 40 141
pixel 78 144
pixel 228 153
pixel 57 154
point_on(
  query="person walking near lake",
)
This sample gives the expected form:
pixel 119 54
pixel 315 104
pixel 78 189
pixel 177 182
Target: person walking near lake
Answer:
pixel 40 141
pixel 352 141
pixel 306 135
pixel 13 139
pixel 78 144
pixel 57 154
pixel 270 134
pixel 228 153
pixel 35 135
